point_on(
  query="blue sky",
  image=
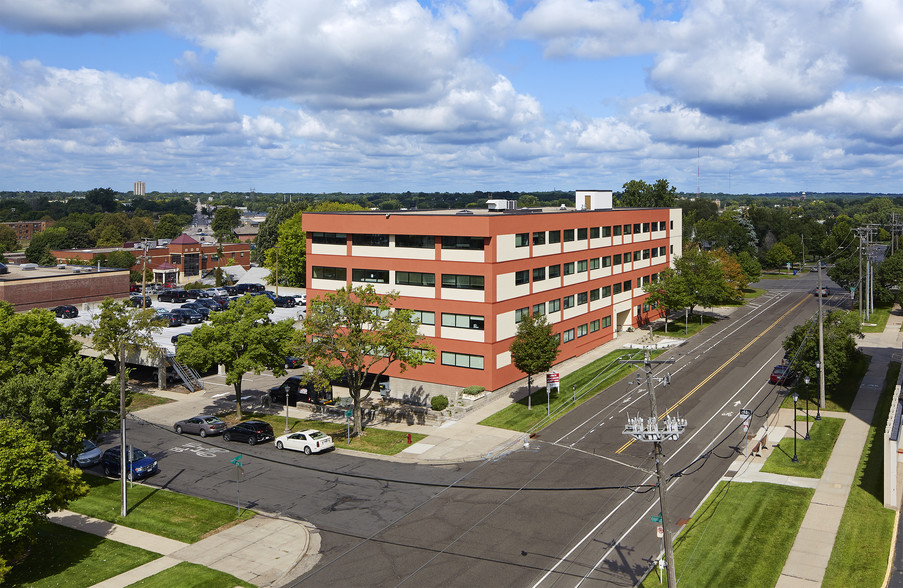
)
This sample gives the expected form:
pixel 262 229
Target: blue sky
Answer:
pixel 396 95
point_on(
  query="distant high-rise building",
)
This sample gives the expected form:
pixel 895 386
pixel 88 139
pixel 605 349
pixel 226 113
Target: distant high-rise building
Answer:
pixel 139 189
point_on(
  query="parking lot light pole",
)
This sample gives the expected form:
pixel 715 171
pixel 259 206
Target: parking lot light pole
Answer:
pixel 795 397
pixel 806 379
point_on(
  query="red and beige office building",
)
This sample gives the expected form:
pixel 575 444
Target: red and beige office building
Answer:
pixel 471 275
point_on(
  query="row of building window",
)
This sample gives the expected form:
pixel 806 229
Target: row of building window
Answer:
pixel 580 298
pixel 408 241
pixel 584 329
pixel 581 234
pixel 463 282
pixel 554 271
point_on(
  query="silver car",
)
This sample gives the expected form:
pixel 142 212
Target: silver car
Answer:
pixel 89 455
pixel 202 425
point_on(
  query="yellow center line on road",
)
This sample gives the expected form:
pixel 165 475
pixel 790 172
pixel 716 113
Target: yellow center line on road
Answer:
pixel 713 374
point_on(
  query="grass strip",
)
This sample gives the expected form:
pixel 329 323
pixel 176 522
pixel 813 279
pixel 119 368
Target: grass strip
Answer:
pixel 813 455
pixel 154 510
pixel 140 401
pixel 589 381
pixel 189 575
pixel 863 539
pixel 67 558
pixel 838 397
pixel 740 536
pixel 684 327
pixel 372 440
pixel 878 317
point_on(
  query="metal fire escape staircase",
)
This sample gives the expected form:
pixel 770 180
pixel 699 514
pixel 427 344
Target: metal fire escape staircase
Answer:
pixel 190 377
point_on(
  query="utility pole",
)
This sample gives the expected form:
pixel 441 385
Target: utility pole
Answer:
pixel 649 430
pixel 821 344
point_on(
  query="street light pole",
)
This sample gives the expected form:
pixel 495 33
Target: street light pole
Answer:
pixel 795 398
pixel 822 384
pixel 806 379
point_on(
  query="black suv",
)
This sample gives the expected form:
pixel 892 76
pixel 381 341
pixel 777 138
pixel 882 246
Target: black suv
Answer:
pixel 65 311
pixel 294 391
pixel 248 289
pixel 173 296
pixel 252 432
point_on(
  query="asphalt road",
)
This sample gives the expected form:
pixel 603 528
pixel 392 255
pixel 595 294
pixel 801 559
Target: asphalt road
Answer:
pixel 572 509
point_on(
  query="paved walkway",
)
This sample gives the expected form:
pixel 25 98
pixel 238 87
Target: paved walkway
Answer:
pixel 808 559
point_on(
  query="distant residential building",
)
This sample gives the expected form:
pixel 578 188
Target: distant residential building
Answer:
pixel 138 190
pixel 25 230
pixel 246 233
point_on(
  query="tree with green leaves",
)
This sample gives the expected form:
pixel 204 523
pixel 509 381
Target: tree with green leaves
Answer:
pixel 33 484
pixel 242 339
pixel 9 241
pixel 38 250
pixel 668 293
pixel 841 330
pixel 287 258
pixel 750 266
pixel 169 226
pixel 779 256
pixel 703 275
pixel 268 231
pixel 225 220
pixel 534 347
pixel 639 194
pixel 357 331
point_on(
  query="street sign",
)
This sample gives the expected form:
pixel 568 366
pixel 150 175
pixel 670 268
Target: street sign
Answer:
pixel 236 460
pixel 552 377
pixel 659 531
pixel 745 413
pixel 349 413
pixel 656 518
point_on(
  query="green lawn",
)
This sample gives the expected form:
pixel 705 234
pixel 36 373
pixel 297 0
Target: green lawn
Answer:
pixel 189 575
pixel 373 440
pixel 740 536
pixel 157 511
pixel 878 317
pixel 838 397
pixel 589 380
pixel 813 454
pixel 66 558
pixel 750 293
pixel 863 540
pixel 679 328
pixel 141 400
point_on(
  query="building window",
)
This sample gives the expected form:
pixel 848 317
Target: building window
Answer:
pixel 617 230
pixel 645 227
pixel 470 243
pixel 175 259
pixel 416 241
pixel 637 255
pixel 581 266
pixel 606 231
pixel 606 261
pixel 555 305
pixel 370 240
pixel 539 238
pixel 426 317
pixel 474 362
pixel 594 232
pixel 646 279
pixel 654 252
pixel 569 302
pixel 415 279
pixel 521 313
pixel 521 239
pixel 463 321
pixel 569 268
pixel 606 321
pixel 522 277
pixel 662 250
pixel 330 273
pixel 581 298
pixel 328 238
pixel 581 234
pixel 594 326
pixel 539 309
pixel 606 291
pixel 462 282
pixel 616 288
pixel 672 225
pixel 568 336
pixel 636 228
pixel 594 263
pixel 539 274
pixel 594 294
pixel 645 254
pixel 627 287
pixel 581 331
pixel 554 271
pixel 554 236
pixel 370 276
pixel 617 259
pixel 568 235
pixel 627 230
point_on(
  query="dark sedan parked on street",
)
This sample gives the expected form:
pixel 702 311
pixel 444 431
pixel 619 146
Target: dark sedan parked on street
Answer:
pixel 202 425
pixel 65 311
pixel 252 432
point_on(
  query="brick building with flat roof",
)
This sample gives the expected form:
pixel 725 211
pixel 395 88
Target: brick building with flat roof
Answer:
pixel 471 275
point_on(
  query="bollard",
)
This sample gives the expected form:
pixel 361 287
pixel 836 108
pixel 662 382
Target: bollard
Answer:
pixel 409 438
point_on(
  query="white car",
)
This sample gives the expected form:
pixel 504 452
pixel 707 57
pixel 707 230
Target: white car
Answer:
pixel 309 441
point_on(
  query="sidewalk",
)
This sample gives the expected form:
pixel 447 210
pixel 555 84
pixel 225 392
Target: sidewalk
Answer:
pixel 808 558
pixel 265 550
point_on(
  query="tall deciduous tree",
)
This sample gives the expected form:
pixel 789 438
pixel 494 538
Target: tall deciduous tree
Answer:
pixel 169 227
pixel 225 219
pixel 242 339
pixel 33 484
pixel 357 331
pixel 841 329
pixel 639 194
pixel 287 258
pixel 534 347
pixel 703 275
pixel 668 293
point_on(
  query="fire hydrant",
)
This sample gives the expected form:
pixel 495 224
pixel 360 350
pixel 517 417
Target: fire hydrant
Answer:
pixel 409 438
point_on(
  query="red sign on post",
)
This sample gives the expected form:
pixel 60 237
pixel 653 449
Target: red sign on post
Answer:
pixel 552 378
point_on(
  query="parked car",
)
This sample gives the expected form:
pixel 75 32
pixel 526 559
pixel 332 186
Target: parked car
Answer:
pixel 199 308
pixel 179 296
pixel 141 301
pixel 309 441
pixel 301 299
pixel 211 292
pixel 231 290
pixel 3 269
pixel 284 301
pixel 252 432
pixel 153 288
pixel 188 316
pixel 292 362
pixel 248 288
pixel 825 291
pixel 202 425
pixel 135 288
pixel 223 301
pixel 196 293
pixel 210 304
pixel 87 457
pixel 65 311
pixel 139 464
pixel 169 319
pixel 782 375
pixel 293 391
pixel 175 338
